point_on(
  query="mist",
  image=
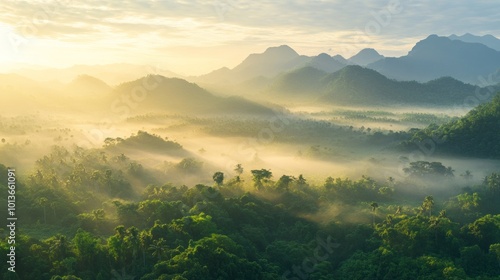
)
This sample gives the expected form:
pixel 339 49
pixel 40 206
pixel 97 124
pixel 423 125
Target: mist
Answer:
pixel 157 153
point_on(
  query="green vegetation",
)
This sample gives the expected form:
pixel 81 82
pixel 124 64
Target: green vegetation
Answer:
pixel 355 85
pixel 290 165
pixel 144 142
pixel 250 226
pixel 147 207
pixel 474 135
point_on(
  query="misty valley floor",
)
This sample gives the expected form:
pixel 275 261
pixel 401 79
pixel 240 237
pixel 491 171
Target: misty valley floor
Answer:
pixel 321 194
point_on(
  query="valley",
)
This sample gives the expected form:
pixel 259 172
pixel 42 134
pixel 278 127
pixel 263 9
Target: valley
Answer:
pixel 243 173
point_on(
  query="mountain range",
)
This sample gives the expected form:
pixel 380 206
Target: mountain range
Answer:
pixel 437 56
pixel 155 93
pixel 470 59
pixel 437 71
pixel 356 85
pixel 276 60
pixel 89 95
pixel 112 74
pixel 487 40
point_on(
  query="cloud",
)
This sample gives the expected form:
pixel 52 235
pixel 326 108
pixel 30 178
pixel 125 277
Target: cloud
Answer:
pixel 131 17
pixel 391 26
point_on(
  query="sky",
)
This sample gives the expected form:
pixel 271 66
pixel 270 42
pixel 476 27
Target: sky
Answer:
pixel 193 37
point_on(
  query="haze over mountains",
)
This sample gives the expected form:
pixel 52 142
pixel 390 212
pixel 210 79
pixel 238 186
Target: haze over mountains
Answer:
pixel 174 95
pixel 468 58
pixel 431 58
pixel 437 71
pixel 437 56
pixel 276 60
pixel 112 74
pixel 487 40
pixel 223 140
pixel 365 57
pixel 355 85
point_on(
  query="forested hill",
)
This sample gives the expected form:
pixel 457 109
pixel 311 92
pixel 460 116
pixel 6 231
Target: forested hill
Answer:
pixel 155 93
pixel 265 228
pixel 355 85
pixel 476 134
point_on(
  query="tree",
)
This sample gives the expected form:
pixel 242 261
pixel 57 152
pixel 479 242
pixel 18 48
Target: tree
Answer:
pixel 374 206
pixel 85 247
pixel 468 201
pixel 261 176
pixel 427 204
pixel 158 248
pixel 301 181
pixel 190 165
pixel 144 240
pixel 485 230
pixel 493 182
pixel 218 178
pixel 467 175
pixel 98 214
pixel 59 247
pixel 133 242
pixel 54 205
pixel 495 250
pixel 284 182
pixel 43 201
pixel 238 169
pixel 425 168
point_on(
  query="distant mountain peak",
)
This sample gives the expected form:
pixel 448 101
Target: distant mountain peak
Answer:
pixel 433 45
pixel 365 57
pixel 323 55
pixel 86 84
pixel 86 78
pixel 438 56
pixel 487 40
pixel 326 63
pixel 441 46
pixel 368 51
pixel 283 49
pixel 269 63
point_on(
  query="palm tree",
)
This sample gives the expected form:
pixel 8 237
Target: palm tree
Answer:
pixel 434 224
pixel 133 241
pixel 238 169
pixel 374 206
pixel 53 205
pixel 158 248
pixel 42 201
pixel 467 175
pixel 493 182
pixel 143 241
pixel 60 246
pixel 427 204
